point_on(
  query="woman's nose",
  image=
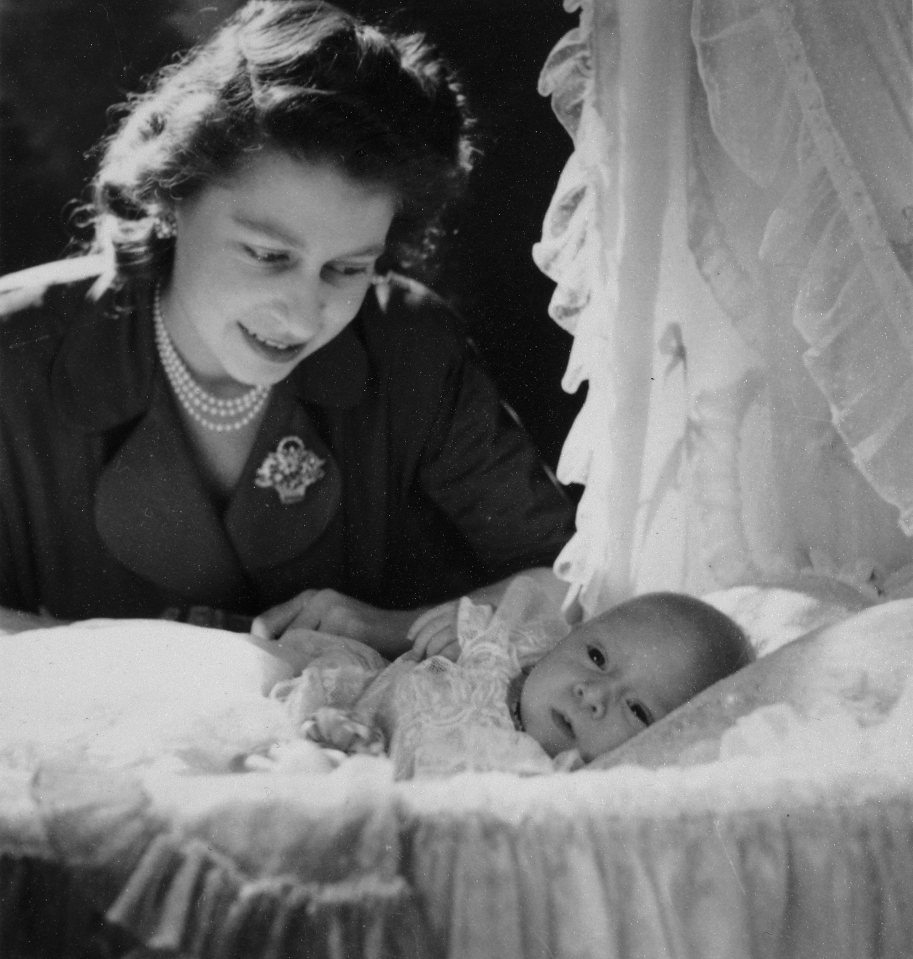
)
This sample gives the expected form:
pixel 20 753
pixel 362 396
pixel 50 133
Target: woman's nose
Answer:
pixel 592 696
pixel 306 306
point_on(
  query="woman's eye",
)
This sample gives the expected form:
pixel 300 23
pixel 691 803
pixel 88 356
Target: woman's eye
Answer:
pixel 597 656
pixel 266 256
pixel 348 270
pixel 640 712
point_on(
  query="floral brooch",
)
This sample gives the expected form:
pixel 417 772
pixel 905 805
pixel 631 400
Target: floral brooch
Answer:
pixel 290 469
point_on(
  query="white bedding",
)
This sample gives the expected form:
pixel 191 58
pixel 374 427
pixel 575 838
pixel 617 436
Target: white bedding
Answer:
pixel 113 693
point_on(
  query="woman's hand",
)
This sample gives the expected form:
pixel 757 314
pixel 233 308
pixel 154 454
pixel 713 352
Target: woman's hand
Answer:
pixel 434 633
pixel 421 633
pixel 326 611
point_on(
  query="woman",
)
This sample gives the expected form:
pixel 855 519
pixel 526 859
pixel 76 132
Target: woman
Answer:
pixel 249 410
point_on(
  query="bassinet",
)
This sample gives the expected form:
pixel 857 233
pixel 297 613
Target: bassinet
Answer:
pixel 763 830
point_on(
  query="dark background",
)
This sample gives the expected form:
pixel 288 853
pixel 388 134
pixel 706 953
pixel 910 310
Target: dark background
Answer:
pixel 63 63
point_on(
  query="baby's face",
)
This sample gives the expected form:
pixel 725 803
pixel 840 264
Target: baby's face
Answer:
pixel 608 680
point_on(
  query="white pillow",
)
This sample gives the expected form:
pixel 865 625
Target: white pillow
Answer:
pixel 773 614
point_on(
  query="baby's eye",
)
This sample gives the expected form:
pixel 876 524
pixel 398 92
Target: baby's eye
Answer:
pixel 640 712
pixel 597 656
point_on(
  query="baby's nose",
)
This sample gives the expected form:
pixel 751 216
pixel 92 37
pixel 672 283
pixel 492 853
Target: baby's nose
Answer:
pixel 592 696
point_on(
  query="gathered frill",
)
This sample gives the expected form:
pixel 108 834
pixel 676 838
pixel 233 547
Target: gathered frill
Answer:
pixel 755 884
pixel 783 119
pixel 580 249
pixel 112 854
pixel 183 897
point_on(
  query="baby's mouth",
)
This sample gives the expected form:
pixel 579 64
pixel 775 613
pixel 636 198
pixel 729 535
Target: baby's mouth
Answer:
pixel 563 723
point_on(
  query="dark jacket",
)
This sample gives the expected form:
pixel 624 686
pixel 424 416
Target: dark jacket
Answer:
pixel 430 488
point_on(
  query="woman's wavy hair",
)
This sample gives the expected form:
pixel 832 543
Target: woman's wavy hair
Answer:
pixel 302 76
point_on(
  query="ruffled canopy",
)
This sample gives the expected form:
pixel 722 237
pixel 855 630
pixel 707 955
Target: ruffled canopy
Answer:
pixel 732 241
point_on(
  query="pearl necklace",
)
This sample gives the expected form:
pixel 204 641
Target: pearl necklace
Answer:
pixel 211 412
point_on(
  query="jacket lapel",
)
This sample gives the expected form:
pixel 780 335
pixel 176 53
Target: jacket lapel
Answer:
pixel 263 530
pixel 154 515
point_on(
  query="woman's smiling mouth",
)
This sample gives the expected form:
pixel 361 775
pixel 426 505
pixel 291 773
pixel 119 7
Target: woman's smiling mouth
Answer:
pixel 274 350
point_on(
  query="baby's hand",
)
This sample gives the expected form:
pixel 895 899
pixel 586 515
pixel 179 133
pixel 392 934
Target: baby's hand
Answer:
pixel 338 729
pixel 434 633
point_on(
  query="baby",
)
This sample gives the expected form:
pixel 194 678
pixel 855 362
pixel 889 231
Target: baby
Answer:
pixel 522 674
pixel 624 670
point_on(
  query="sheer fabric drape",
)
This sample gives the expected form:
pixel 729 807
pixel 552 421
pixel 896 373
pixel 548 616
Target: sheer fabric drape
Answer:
pixel 731 242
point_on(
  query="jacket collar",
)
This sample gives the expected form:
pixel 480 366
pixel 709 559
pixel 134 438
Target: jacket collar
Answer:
pixel 104 372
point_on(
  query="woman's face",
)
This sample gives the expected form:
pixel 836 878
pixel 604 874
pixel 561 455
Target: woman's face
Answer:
pixel 270 265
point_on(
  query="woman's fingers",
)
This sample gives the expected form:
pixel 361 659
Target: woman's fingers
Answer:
pixel 428 616
pixel 444 644
pixel 275 621
pixel 423 630
pixel 446 612
pixel 329 611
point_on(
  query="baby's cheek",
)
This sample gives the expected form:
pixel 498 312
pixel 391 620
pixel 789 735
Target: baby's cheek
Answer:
pixel 604 740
